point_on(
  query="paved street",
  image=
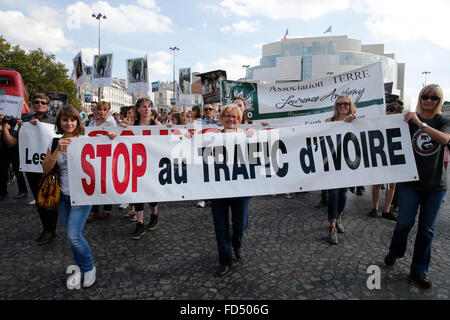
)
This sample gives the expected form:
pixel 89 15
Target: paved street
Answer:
pixel 287 256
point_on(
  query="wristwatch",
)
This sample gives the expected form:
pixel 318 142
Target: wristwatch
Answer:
pixel 423 126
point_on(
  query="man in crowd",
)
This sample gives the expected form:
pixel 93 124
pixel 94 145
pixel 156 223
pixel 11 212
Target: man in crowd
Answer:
pixel 49 218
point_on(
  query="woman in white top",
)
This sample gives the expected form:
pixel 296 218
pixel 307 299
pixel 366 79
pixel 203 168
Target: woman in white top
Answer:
pixel 73 218
pixel 104 119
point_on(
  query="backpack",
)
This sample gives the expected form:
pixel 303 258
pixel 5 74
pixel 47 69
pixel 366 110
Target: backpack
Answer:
pixel 49 191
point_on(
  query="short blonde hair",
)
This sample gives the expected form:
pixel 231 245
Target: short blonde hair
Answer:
pixel 232 107
pixel 431 89
pixel 105 104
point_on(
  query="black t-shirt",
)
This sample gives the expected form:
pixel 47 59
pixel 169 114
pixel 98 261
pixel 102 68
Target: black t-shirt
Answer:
pixel 429 156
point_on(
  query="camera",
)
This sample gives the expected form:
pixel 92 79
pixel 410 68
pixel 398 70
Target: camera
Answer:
pixel 10 120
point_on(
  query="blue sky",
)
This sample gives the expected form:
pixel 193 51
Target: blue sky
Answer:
pixel 226 34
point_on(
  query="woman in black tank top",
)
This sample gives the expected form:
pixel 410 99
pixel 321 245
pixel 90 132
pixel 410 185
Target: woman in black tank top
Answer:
pixel 144 117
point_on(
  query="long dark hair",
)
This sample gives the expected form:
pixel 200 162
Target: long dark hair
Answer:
pixel 137 115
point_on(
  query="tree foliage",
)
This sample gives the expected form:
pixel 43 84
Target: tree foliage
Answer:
pixel 39 70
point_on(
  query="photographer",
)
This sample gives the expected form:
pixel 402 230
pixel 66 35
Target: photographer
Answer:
pixel 49 218
pixel 10 155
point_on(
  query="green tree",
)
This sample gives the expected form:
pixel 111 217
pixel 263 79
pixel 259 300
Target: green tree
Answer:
pixel 39 70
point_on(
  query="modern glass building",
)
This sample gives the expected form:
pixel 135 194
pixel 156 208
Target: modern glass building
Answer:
pixel 300 59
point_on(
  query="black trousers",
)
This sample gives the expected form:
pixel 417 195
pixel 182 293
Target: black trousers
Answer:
pixel 10 156
pixel 49 218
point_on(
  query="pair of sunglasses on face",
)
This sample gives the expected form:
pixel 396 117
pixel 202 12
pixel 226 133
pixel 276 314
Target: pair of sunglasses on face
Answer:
pixel 426 97
pixel 39 102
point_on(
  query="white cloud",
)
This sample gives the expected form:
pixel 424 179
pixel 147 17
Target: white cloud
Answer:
pixel 34 31
pixel 408 20
pixel 241 27
pixel 87 54
pixel 126 18
pixel 280 9
pixel 160 65
pixel 232 64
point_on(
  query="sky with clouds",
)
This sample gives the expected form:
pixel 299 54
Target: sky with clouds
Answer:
pixel 227 34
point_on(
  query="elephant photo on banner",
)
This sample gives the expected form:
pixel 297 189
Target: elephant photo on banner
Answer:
pixel 137 75
pixel 102 70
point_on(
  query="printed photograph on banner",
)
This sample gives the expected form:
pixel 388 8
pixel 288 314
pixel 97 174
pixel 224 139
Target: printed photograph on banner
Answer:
pixel 184 80
pixel 137 75
pixel 155 86
pixel 57 101
pixel 211 85
pixel 248 91
pixel 78 69
pixel 102 70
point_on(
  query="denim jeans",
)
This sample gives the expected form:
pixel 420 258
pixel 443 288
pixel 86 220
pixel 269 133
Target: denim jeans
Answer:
pixel 336 203
pixel 239 218
pixel 73 219
pixel 409 201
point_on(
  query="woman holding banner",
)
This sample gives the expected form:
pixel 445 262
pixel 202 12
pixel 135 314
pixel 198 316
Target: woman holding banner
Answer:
pixel 344 110
pixel 430 133
pixel 230 118
pixel 103 119
pixel 144 117
pixel 73 218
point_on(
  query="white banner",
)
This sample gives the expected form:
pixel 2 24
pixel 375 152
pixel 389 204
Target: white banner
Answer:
pixel 310 102
pixel 102 70
pixel 78 68
pixel 33 144
pixel 215 165
pixel 137 75
pixel 11 105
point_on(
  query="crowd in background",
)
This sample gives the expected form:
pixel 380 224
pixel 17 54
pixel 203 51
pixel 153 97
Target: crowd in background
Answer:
pixel 402 203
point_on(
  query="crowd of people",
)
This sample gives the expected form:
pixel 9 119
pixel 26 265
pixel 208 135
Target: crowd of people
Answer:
pixel 423 197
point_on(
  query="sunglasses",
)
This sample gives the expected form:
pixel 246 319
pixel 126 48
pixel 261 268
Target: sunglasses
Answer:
pixel 433 98
pixel 345 104
pixel 39 102
pixel 229 116
pixel 208 109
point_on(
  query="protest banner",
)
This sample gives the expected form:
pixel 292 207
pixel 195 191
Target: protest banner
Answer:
pixel 310 102
pixel 156 86
pixel 57 101
pixel 11 105
pixel 33 144
pixel 184 80
pixel 216 165
pixel 102 67
pixel 211 85
pixel 137 75
pixel 78 69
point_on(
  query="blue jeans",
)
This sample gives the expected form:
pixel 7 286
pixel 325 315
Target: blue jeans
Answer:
pixel 409 201
pixel 73 219
pixel 239 218
pixel 337 199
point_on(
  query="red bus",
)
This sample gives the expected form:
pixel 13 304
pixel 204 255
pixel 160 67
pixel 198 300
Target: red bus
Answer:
pixel 11 84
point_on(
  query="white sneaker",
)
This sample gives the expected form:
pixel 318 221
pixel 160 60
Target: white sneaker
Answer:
pixel 32 203
pixel 123 206
pixel 201 204
pixel 74 281
pixel 89 278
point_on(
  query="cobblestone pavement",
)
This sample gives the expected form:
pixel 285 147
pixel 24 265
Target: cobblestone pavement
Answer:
pixel 287 256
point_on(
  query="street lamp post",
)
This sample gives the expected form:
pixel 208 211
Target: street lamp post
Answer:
pixel 425 73
pixel 245 66
pixel 174 49
pixel 99 16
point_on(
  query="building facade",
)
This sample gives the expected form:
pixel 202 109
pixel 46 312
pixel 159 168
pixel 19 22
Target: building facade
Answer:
pixel 116 94
pixel 302 59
